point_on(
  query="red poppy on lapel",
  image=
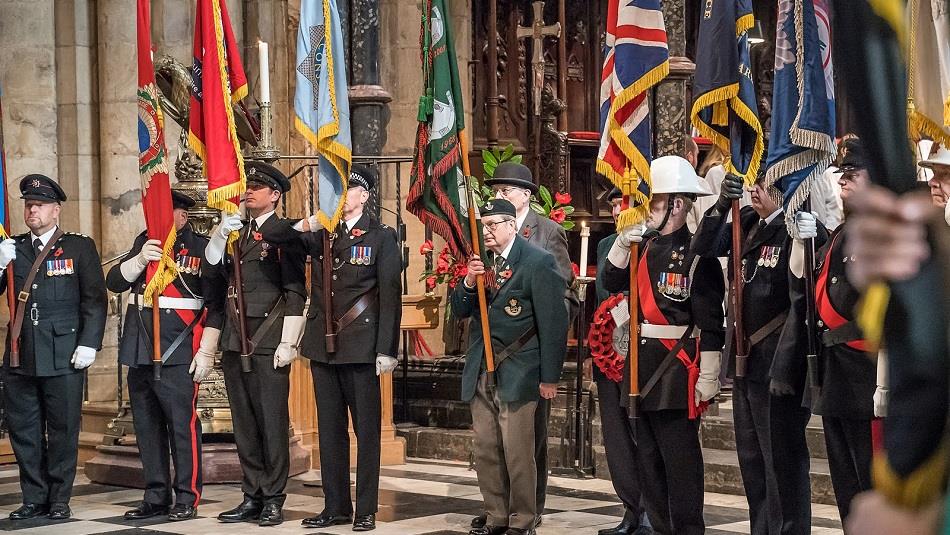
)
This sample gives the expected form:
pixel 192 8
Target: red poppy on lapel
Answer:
pixel 506 274
pixel 257 236
pixel 357 232
pixel 58 252
pixel 526 232
pixel 183 252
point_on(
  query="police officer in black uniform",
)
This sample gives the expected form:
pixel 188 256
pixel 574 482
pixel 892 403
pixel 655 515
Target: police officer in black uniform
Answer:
pixel 619 447
pixel 847 370
pixel 274 293
pixel 59 323
pixel 681 334
pixel 770 430
pixel 166 423
pixel 366 301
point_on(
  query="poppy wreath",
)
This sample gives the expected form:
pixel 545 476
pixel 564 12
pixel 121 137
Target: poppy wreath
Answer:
pixel 600 340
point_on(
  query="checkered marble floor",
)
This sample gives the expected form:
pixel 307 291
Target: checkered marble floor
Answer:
pixel 418 498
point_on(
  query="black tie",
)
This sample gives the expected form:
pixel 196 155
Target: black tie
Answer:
pixel 37 247
pixel 755 230
pixel 251 230
pixel 499 264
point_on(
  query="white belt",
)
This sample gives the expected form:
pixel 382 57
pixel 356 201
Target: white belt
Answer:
pixel 667 332
pixel 180 303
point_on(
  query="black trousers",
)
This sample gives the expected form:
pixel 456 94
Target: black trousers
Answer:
pixel 773 458
pixel 618 444
pixel 166 422
pixel 338 388
pixel 44 416
pixel 671 466
pixel 261 424
pixel 541 418
pixel 849 458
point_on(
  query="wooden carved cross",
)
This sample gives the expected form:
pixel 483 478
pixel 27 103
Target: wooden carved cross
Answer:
pixel 537 32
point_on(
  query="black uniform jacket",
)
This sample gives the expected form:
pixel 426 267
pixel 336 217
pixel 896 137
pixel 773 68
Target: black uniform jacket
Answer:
pixel 268 273
pixel 366 261
pixel 765 292
pixel 69 300
pixel 533 296
pixel 848 375
pixel 135 347
pixel 669 260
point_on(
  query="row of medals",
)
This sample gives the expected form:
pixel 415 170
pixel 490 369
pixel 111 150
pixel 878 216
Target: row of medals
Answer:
pixel 673 284
pixel 768 257
pixel 189 264
pixel 59 267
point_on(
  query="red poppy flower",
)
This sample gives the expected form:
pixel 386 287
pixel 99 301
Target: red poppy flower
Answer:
pixel 506 274
pixel 526 232
pixel 183 252
pixel 461 270
pixel 562 198
pixel 442 265
pixel 426 247
pixel 357 232
pixel 557 215
pixel 257 236
pixel 58 252
pixel 430 282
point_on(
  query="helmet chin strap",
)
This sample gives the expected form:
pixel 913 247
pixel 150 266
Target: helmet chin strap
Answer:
pixel 669 212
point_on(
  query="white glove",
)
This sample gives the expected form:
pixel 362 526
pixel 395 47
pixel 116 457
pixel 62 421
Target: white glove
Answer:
pixel 804 226
pixel 203 362
pixel 214 251
pixel 287 348
pixel 133 267
pixel 708 384
pixel 385 363
pixel 7 252
pixel 619 253
pixel 880 401
pixel 312 223
pixel 83 357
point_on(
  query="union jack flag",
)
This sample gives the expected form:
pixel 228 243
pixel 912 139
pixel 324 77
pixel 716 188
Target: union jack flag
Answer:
pixel 636 57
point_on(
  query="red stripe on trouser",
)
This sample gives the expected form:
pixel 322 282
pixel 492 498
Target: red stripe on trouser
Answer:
pixel 195 466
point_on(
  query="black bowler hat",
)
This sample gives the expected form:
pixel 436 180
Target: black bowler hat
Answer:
pixel 854 156
pixel 266 175
pixel 41 188
pixel 498 207
pixel 180 200
pixel 361 176
pixel 514 174
pixel 614 193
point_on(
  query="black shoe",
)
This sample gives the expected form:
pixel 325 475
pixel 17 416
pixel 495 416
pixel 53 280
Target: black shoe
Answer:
pixel 146 510
pixel 271 515
pixel 29 510
pixel 59 511
pixel 248 510
pixel 519 531
pixel 182 512
pixel 480 521
pixel 325 520
pixel 364 523
pixel 627 526
pixel 488 529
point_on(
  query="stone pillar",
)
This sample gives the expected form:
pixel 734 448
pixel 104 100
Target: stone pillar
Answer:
pixel 671 99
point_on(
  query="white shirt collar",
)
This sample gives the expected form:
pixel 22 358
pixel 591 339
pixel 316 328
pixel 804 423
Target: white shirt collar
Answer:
pixel 44 239
pixel 507 250
pixel 521 218
pixel 262 218
pixel 769 219
pixel 350 223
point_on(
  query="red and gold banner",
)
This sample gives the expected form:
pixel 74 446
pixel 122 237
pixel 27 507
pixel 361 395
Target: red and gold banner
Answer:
pixel 218 83
pixel 153 168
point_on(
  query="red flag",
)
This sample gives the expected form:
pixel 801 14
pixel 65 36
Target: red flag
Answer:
pixel 153 168
pixel 218 83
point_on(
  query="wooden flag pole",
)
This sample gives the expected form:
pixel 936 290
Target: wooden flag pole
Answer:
pixel 156 335
pixel 633 408
pixel 479 280
pixel 741 345
pixel 11 298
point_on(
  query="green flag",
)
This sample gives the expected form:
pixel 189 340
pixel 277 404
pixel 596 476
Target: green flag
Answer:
pixel 437 191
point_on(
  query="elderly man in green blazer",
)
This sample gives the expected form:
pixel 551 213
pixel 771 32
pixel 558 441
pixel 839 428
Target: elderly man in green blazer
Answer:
pixel 529 324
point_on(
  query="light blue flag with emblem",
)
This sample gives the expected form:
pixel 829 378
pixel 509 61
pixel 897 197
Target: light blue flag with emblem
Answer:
pixel 321 104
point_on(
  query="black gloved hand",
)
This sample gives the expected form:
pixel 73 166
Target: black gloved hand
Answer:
pixel 730 190
pixel 778 388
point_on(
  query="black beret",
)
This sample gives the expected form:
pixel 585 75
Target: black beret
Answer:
pixel 266 174
pixel 853 155
pixel 614 193
pixel 362 176
pixel 41 188
pixel 514 174
pixel 181 200
pixel 498 207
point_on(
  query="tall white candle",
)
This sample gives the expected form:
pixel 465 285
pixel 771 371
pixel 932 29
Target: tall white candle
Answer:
pixel 585 237
pixel 265 71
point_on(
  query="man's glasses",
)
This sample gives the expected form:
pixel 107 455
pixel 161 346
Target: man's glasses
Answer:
pixel 507 190
pixel 492 226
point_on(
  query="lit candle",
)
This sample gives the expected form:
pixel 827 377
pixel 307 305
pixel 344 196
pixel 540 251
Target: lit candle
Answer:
pixel 265 71
pixel 585 237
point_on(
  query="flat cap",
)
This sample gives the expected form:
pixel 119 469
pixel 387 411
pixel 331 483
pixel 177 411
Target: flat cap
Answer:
pixel 267 175
pixel 38 187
